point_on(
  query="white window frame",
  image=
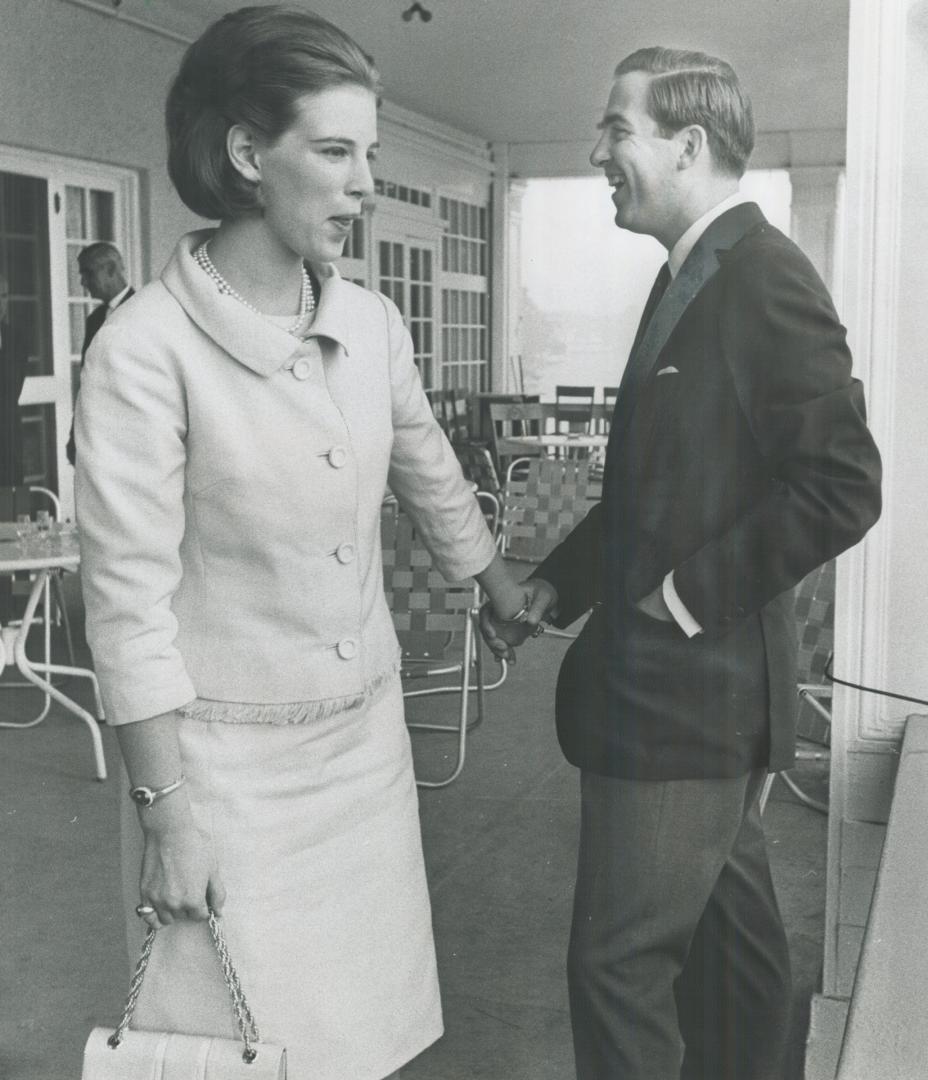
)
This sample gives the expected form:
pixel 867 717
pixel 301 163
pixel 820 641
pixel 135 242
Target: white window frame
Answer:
pixel 396 223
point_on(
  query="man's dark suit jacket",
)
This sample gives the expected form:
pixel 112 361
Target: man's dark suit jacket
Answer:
pixel 739 458
pixel 94 321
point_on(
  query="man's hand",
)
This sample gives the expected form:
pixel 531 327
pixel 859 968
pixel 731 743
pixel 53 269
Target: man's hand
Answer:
pixel 504 635
pixel 654 605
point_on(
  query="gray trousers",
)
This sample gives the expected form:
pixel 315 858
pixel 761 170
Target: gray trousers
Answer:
pixel 678 967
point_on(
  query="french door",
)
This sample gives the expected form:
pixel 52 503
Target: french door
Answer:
pixel 406 272
pixel 50 208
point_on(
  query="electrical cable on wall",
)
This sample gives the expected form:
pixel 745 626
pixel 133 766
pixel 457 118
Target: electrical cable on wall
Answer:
pixel 829 674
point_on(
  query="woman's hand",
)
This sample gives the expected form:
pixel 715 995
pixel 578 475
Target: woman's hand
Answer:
pixel 507 595
pixel 502 635
pixel 178 877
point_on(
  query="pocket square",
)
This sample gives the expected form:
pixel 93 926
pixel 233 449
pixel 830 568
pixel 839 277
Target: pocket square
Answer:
pixel 668 371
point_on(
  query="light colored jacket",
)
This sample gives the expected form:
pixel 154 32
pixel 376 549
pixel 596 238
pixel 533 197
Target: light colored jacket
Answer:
pixel 229 486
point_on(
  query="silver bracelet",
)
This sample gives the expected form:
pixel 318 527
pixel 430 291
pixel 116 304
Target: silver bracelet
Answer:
pixel 147 797
pixel 518 617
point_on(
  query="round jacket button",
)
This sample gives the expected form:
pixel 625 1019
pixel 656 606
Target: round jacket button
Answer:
pixel 345 553
pixel 301 369
pixel 338 455
pixel 347 648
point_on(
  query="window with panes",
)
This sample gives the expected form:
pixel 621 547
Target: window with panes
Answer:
pixel 464 302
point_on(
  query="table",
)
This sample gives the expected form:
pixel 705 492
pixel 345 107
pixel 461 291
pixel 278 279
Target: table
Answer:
pixel 550 441
pixel 61 554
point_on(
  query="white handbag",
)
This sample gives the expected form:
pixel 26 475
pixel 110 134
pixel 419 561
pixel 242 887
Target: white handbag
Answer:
pixel 122 1054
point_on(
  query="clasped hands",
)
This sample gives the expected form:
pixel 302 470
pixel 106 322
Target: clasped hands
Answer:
pixel 504 635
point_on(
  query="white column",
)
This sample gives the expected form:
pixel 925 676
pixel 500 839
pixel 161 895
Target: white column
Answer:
pixel 514 372
pixel 507 233
pixel 814 215
pixel 881 633
pixel 499 279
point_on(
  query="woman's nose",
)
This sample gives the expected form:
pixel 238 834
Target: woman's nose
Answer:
pixel 362 179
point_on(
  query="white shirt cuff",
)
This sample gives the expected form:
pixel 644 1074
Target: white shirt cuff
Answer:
pixel 678 609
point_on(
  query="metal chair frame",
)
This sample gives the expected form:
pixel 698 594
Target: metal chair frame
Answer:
pixel 815 612
pixel 429 615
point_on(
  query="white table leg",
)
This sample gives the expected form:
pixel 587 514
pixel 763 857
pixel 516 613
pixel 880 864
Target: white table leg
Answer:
pixel 22 632
pixel 30 672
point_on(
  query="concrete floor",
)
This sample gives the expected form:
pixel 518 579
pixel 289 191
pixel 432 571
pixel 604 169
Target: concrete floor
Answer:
pixel 500 848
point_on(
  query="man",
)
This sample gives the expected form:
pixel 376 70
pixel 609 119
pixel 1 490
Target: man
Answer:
pixel 738 461
pixel 103 276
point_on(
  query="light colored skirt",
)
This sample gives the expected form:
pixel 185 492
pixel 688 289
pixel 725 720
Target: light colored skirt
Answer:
pixel 315 828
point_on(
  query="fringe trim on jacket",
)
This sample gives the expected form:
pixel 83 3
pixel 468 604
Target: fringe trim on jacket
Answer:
pixel 288 712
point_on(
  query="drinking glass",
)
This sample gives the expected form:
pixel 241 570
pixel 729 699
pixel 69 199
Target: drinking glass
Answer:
pixel 25 527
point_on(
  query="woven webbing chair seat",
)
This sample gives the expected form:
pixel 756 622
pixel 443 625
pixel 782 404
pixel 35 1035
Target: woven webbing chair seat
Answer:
pixel 543 501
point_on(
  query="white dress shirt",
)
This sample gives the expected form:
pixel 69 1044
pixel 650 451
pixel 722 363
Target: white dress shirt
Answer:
pixel 116 301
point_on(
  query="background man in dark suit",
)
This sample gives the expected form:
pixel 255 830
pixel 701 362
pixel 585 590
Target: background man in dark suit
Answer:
pixel 738 461
pixel 103 276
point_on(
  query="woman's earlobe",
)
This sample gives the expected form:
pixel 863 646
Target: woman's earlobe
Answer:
pixel 243 153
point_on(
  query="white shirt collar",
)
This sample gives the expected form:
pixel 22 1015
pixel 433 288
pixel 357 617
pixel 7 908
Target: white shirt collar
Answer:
pixel 687 241
pixel 118 299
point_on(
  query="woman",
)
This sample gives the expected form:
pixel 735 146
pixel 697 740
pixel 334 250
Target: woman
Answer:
pixel 239 421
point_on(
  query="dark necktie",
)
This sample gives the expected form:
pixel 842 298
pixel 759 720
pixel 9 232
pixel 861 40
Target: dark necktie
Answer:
pixel 623 401
pixel 658 289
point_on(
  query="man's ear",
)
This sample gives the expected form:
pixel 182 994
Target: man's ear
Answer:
pixel 243 152
pixel 693 144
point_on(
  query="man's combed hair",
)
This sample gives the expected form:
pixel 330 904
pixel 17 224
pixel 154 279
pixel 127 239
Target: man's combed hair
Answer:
pixel 250 67
pixel 101 253
pixel 688 87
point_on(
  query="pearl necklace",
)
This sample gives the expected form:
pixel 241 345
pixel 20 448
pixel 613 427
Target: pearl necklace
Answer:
pixel 307 300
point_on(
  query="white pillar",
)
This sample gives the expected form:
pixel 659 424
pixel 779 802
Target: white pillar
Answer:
pixel 881 632
pixel 507 246
pixel 814 216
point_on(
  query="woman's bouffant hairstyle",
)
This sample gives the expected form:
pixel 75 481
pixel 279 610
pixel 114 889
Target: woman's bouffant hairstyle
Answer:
pixel 250 67
pixel 689 87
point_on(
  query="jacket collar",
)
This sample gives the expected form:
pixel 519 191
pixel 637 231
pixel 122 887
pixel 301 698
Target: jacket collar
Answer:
pixel 700 265
pixel 120 298
pixel 724 233
pixel 720 236
pixel 243 334
pixel 676 257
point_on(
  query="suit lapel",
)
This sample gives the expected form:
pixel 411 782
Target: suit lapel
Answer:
pixel 700 266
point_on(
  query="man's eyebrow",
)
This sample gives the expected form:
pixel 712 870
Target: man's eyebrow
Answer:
pixel 612 118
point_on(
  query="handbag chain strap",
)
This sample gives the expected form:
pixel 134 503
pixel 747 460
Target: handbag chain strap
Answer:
pixel 243 1015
